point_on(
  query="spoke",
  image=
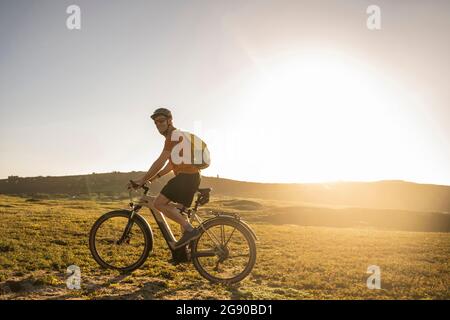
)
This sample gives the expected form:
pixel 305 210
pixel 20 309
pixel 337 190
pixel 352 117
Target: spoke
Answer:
pixel 129 250
pixel 229 237
pixel 215 240
pixel 216 258
pixel 222 232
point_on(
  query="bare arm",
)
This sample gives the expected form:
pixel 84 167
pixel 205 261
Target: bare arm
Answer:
pixel 156 166
pixel 164 171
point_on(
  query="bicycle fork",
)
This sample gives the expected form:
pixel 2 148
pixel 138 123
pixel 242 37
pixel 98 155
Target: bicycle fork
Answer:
pixel 126 232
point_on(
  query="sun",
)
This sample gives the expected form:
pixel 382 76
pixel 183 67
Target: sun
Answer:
pixel 330 116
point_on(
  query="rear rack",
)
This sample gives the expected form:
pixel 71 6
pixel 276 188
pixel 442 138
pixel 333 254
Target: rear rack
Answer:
pixel 229 214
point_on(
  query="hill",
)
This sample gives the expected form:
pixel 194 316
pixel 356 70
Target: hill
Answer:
pixel 396 195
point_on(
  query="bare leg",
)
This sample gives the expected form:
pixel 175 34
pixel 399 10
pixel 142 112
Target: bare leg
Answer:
pixel 170 210
pixel 179 206
pixel 147 201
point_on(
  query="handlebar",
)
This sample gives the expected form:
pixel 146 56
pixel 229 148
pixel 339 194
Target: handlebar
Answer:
pixel 135 186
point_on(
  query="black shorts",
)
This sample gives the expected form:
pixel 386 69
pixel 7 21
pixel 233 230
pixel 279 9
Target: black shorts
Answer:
pixel 182 188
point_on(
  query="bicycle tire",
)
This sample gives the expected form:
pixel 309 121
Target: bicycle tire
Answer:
pixel 244 231
pixel 143 225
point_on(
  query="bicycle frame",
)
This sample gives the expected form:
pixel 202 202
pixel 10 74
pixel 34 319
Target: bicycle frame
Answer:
pixel 167 231
pixel 165 228
pixel 211 229
pixel 160 221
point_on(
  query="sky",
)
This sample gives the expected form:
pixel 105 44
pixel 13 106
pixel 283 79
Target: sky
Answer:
pixel 281 91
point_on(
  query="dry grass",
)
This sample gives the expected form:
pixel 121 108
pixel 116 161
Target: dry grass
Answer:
pixel 40 239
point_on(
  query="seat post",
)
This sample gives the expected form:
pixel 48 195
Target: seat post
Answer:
pixel 196 203
pixel 202 197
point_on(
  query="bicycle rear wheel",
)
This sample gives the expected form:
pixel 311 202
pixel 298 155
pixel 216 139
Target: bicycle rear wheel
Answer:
pixel 113 249
pixel 226 252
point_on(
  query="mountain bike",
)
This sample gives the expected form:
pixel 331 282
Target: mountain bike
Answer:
pixel 225 251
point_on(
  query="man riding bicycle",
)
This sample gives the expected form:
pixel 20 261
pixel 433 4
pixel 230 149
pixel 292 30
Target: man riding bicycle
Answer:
pixel 180 190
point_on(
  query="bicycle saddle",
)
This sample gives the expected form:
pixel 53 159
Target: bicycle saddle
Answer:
pixel 203 195
pixel 204 190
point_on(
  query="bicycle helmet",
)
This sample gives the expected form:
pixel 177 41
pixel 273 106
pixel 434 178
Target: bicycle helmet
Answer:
pixel 161 112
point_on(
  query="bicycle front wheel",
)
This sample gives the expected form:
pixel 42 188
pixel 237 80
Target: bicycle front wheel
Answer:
pixel 225 252
pixel 114 246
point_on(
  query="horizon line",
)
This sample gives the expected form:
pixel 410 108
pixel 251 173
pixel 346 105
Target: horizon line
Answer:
pixel 247 181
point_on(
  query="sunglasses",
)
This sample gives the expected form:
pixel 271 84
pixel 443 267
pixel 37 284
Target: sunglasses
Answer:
pixel 159 121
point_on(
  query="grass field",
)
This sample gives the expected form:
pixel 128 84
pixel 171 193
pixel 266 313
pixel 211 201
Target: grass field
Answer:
pixel 40 239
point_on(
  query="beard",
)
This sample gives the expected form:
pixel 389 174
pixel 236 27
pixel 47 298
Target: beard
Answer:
pixel 164 133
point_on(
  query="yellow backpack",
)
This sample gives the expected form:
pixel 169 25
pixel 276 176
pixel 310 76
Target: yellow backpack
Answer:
pixel 197 151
